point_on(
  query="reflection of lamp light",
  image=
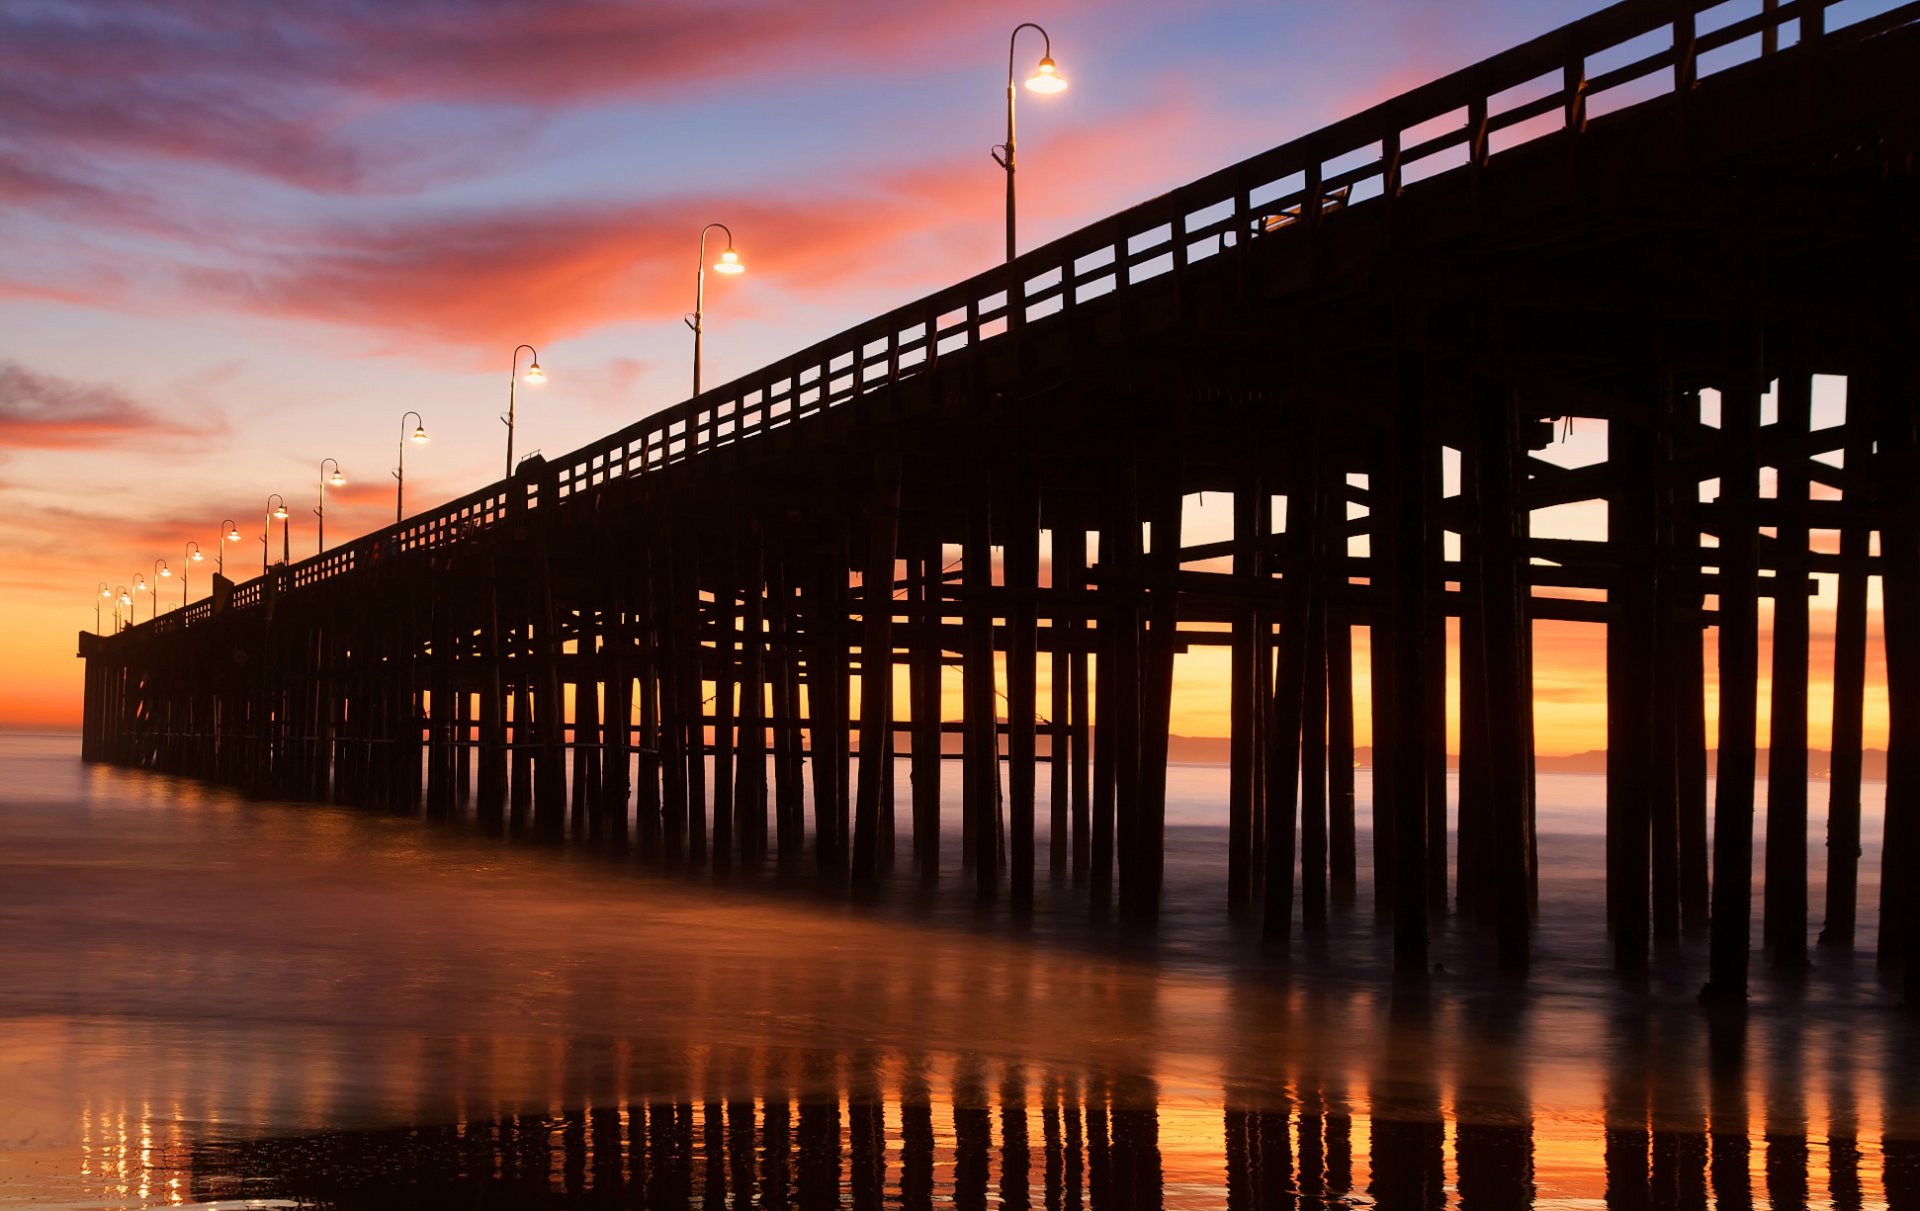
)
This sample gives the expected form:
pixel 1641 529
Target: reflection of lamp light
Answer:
pixel 419 438
pixel 337 480
pixel 729 264
pixel 266 532
pixel 534 375
pixel 1045 79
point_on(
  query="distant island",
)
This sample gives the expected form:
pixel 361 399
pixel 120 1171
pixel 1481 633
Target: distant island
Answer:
pixel 1212 750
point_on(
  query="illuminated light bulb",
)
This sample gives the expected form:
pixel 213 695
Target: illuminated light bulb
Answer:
pixel 139 584
pixel 535 374
pixel 280 512
pixel 419 437
pixel 165 572
pixel 106 592
pixel 338 480
pixel 233 535
pixel 197 557
pixel 126 599
pixel 729 262
pixel 1047 79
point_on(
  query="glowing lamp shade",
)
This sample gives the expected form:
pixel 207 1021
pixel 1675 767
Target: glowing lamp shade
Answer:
pixel 106 592
pixel 1047 79
pixel 729 262
pixel 139 584
pixel 535 374
pixel 233 535
pixel 197 557
pixel 165 572
pixel 280 511
pixel 338 480
pixel 126 599
pixel 419 437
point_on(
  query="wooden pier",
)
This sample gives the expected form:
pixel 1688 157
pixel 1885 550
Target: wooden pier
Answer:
pixel 711 635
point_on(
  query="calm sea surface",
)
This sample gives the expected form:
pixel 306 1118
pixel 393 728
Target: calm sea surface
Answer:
pixel 208 1000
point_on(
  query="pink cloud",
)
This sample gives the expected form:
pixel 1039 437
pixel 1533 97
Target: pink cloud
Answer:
pixel 490 279
pixel 46 412
pixel 274 91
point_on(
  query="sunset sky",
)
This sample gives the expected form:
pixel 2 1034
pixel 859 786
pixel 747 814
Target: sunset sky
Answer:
pixel 239 238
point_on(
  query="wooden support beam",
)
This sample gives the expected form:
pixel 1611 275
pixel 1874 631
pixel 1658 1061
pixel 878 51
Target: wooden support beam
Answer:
pixel 1849 686
pixel 1899 426
pixel 1784 913
pixel 1283 738
pixel 724 622
pixel 826 712
pixel 1021 528
pixel 981 778
pixel 1739 675
pixel 1070 570
pixel 876 669
pixel 1407 537
pixel 1156 685
pixel 1632 658
pixel 1502 671
pixel 790 809
pixel 1060 708
pixel 1341 829
pixel 750 778
pixel 693 696
pixel 926 661
pixel 1246 682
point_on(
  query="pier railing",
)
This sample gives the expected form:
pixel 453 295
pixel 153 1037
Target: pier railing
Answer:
pixel 1552 87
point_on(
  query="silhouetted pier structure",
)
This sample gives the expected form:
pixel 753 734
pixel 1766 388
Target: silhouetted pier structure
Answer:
pixel 711 634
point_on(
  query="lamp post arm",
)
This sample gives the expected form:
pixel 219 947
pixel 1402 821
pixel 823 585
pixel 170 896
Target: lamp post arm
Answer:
pixel 513 374
pixel 1006 161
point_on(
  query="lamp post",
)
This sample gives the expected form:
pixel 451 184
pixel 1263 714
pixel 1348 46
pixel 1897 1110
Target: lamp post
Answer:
pixel 133 609
pixel 121 598
pixel 229 532
pixel 534 375
pixel 193 556
pixel 1045 79
pixel 729 264
pixel 337 480
pixel 266 532
pixel 419 438
pixel 104 592
pixel 160 572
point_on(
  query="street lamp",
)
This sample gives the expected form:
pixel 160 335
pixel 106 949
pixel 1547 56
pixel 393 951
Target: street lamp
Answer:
pixel 534 375
pixel 139 586
pixel 337 480
pixel 160 572
pixel 104 592
pixel 229 532
pixel 193 556
pixel 121 598
pixel 266 533
pixel 729 264
pixel 418 438
pixel 1045 79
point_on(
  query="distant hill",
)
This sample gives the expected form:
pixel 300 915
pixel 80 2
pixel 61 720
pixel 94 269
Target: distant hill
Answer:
pixel 1213 749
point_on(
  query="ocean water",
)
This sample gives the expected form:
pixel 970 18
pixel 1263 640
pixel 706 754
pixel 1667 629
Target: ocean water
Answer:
pixel 209 1000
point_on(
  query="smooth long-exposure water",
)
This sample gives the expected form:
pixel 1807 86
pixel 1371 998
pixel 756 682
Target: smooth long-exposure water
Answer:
pixel 207 999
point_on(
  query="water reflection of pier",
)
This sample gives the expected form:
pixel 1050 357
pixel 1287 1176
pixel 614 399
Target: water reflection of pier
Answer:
pixel 1771 1113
